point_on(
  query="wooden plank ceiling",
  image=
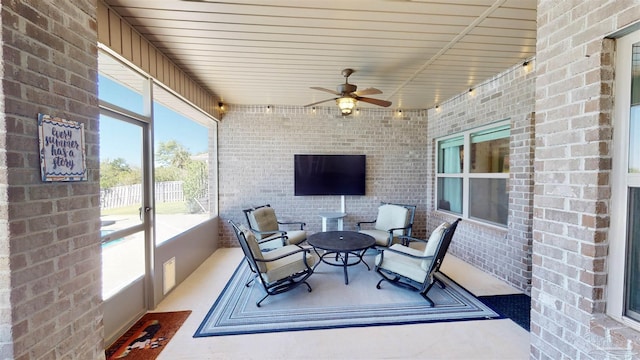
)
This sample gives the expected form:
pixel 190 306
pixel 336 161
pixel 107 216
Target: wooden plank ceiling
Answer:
pixel 270 52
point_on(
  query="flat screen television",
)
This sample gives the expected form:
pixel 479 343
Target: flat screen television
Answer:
pixel 329 174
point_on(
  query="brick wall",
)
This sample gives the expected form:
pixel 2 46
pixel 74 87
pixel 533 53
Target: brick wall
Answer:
pixel 256 148
pixel 505 253
pixel 574 109
pixel 50 266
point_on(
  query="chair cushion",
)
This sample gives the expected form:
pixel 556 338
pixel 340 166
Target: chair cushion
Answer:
pixel 263 219
pixel 254 247
pixel 381 236
pixel 403 265
pixel 392 216
pixel 432 244
pixel 295 237
pixel 288 265
pixel 269 245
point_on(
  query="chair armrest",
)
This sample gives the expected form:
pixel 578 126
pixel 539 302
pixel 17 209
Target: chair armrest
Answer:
pixel 302 224
pixel 267 239
pixel 399 228
pixel 409 239
pixel 365 222
pixel 391 236
pixel 407 255
pixel 281 232
pixel 281 235
pixel 299 250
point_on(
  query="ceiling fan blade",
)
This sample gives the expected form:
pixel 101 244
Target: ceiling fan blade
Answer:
pixel 368 91
pixel 320 102
pixel 373 101
pixel 325 90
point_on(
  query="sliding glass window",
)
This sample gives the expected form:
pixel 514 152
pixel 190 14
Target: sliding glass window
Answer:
pixel 475 187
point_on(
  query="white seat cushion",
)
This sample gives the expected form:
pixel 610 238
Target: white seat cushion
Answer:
pixel 295 237
pixel 381 236
pixel 282 268
pixel 403 265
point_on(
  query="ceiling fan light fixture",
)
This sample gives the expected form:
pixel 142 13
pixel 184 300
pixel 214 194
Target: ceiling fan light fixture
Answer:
pixel 346 104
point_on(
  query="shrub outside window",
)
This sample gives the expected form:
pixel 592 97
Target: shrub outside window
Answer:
pixel 476 186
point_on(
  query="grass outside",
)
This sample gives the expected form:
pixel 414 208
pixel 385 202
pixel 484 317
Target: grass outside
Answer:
pixel 161 208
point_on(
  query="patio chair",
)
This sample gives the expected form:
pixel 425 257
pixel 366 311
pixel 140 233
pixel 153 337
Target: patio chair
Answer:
pixel 264 223
pixel 393 221
pixel 279 270
pixel 414 269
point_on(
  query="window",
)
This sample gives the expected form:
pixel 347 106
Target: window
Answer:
pixel 632 288
pixel 623 300
pixel 181 164
pixel 475 187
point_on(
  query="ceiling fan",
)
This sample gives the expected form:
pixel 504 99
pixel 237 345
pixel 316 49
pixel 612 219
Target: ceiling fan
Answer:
pixel 348 97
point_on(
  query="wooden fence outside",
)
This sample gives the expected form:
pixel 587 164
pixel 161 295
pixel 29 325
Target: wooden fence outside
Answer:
pixel 120 196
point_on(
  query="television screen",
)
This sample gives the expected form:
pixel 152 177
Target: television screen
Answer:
pixel 329 174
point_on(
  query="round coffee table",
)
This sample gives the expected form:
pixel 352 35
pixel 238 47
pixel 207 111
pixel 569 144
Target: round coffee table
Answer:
pixel 341 244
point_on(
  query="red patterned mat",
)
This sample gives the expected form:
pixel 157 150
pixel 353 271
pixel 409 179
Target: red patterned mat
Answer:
pixel 148 336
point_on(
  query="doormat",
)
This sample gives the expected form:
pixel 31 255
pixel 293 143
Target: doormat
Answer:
pixel 516 307
pixel 148 336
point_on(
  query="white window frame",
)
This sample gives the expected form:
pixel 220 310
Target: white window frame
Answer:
pixel 620 182
pixel 466 175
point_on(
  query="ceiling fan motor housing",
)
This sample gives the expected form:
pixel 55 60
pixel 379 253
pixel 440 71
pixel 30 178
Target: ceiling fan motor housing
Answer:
pixel 345 89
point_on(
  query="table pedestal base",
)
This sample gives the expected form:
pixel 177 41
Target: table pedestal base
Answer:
pixel 342 259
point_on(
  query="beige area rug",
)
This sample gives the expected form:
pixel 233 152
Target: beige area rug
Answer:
pixel 332 304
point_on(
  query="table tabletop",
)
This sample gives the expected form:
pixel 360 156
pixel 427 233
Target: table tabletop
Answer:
pixel 340 241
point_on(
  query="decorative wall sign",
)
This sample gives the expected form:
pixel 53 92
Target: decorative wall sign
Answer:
pixel 62 154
